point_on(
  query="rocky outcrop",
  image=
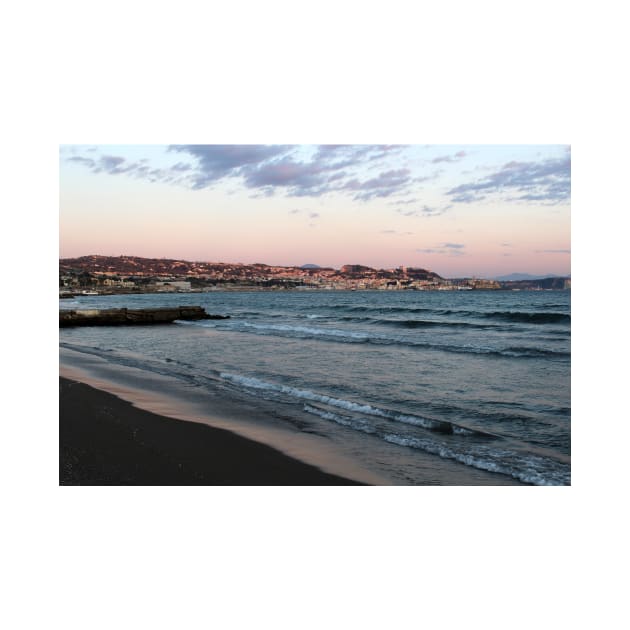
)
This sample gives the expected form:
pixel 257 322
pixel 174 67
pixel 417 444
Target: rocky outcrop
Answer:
pixel 126 317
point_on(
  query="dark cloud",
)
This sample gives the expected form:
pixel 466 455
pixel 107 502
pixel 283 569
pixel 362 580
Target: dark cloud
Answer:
pixel 276 166
pixel 548 181
pixel 216 161
pixel 296 177
pixel 326 173
pixel 267 169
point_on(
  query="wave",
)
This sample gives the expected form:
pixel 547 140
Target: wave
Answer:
pixel 307 331
pixel 385 309
pixel 429 323
pixel 358 424
pixel 525 351
pixel 349 336
pixel 531 469
pixel 445 439
pixel 439 426
pixel 529 318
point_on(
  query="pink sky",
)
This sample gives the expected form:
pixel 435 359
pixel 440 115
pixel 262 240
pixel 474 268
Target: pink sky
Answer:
pixel 457 210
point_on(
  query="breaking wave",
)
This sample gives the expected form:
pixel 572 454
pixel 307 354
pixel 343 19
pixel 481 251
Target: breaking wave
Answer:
pixel 532 469
pixel 438 426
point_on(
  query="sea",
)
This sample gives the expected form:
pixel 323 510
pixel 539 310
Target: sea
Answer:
pixel 412 387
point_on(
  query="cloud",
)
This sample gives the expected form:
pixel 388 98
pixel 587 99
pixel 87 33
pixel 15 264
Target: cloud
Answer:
pixel 396 232
pixel 548 181
pixel 425 211
pixel 327 172
pixel 384 185
pixel 403 202
pixel 552 251
pixel 117 165
pixel 296 178
pixel 312 216
pixel 81 160
pixel 348 154
pixel 216 161
pixel 467 198
pixel 294 170
pixel 114 165
pixel 444 249
pixel 456 157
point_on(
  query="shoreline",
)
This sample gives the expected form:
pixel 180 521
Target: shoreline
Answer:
pixel 257 421
pixel 270 424
pixel 105 440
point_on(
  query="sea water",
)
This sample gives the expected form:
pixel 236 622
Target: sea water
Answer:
pixel 436 387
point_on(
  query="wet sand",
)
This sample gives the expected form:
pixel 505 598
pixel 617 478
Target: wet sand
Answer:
pixel 104 440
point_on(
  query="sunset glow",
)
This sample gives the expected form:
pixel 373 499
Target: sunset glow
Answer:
pixel 457 210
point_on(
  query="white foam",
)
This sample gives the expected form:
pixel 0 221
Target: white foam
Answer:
pixel 534 470
pixel 360 425
pixel 305 394
pixel 254 383
pixel 524 471
pixel 303 330
pixel 417 421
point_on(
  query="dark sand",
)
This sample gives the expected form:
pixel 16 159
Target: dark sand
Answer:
pixel 104 440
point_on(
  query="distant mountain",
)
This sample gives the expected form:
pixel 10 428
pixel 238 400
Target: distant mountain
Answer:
pixel 527 276
pixel 310 266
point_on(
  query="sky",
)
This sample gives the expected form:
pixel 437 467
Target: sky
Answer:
pixel 458 210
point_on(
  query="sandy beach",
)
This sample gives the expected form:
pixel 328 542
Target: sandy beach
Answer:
pixel 104 440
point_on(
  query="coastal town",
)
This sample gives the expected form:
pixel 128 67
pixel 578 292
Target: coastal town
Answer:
pixel 132 274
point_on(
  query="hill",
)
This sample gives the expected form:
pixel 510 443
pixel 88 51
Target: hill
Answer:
pixel 525 276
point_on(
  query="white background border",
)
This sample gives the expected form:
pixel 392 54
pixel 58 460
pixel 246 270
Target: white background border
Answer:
pixel 448 72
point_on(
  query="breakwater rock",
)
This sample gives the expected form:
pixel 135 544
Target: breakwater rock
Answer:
pixel 127 317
